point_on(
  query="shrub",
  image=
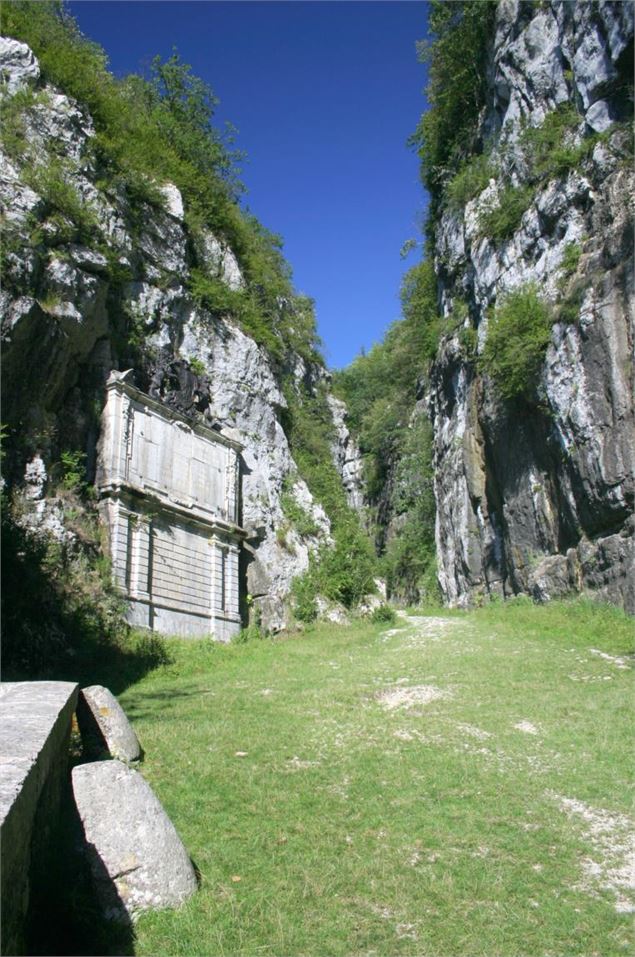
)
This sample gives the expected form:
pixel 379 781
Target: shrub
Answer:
pixel 570 261
pixel 549 149
pixel 383 613
pixel 147 132
pixel 518 334
pixel 302 521
pixel 568 310
pixel 197 366
pixel 73 470
pixel 380 388
pixel 468 337
pixel 77 617
pixel 14 110
pixel 52 181
pixel 457 83
pixel 346 571
pixel 220 301
pixel 252 632
pixel 304 590
pixel 501 219
pixel 472 178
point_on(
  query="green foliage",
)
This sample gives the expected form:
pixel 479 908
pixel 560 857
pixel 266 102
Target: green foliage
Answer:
pixel 379 388
pixel 518 334
pixel 502 218
pixel 76 609
pixel 549 149
pixel 309 428
pixel 468 337
pixel 14 111
pixel 302 521
pixel 344 571
pixel 148 132
pixel 568 310
pixel 380 392
pixel 471 179
pixel 252 632
pixel 304 590
pixel 570 259
pixel 73 470
pixel 213 295
pixel 62 202
pixel 410 554
pixel 197 366
pixel 457 55
pixel 383 614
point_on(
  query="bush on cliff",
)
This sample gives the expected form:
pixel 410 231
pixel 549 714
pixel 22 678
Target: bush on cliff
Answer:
pixel 156 129
pixel 461 33
pixel 518 334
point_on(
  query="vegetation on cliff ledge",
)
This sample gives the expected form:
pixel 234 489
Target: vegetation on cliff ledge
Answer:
pixel 149 131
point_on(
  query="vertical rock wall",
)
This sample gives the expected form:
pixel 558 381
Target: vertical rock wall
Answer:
pixel 537 497
pixel 75 309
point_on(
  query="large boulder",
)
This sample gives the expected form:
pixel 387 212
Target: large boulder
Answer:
pixel 104 725
pixel 136 857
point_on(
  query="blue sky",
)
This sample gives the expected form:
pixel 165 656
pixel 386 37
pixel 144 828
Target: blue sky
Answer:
pixel 324 95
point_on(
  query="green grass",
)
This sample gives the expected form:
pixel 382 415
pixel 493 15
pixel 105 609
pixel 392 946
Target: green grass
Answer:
pixel 349 828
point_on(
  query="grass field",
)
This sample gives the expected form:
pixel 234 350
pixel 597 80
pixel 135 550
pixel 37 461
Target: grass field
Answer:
pixel 454 784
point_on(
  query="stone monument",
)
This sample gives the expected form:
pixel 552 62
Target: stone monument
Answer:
pixel 169 491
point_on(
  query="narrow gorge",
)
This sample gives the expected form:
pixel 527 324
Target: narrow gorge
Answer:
pixel 484 450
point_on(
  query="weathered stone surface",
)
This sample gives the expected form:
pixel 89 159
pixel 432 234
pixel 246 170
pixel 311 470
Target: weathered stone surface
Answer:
pixel 18 65
pixel 347 456
pixel 137 859
pixel 62 331
pixel 537 497
pixel 170 493
pixel 35 727
pixel 103 723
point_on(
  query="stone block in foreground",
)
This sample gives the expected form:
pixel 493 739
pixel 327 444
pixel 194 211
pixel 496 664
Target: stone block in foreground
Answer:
pixel 104 725
pixel 35 727
pixel 137 859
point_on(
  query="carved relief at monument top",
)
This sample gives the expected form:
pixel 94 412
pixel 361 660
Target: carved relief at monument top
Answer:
pixel 170 494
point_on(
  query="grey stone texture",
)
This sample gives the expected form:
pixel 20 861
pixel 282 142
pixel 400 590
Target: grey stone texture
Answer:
pixel 170 490
pixel 62 321
pixel 35 727
pixel 347 456
pixel 103 725
pixel 538 498
pixel 137 860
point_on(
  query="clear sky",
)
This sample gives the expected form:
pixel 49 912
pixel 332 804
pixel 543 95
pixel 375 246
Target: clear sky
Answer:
pixel 324 95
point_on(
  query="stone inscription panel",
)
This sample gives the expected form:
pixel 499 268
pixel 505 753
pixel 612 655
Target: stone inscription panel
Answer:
pixel 169 458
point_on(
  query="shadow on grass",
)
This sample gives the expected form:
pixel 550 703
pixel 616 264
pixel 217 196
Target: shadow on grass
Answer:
pixel 65 916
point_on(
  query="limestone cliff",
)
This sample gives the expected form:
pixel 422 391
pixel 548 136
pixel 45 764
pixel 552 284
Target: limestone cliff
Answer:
pixel 105 284
pixel 535 492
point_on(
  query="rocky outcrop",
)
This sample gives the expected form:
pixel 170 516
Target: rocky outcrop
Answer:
pixel 104 286
pixel 537 496
pixel 347 456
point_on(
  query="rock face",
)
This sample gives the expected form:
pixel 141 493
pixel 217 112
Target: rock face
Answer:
pixel 537 497
pixel 137 859
pixel 70 309
pixel 103 720
pixel 347 456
